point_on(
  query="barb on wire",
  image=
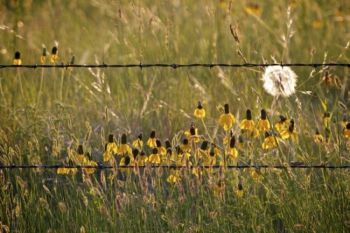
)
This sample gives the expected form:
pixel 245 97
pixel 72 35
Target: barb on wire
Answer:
pixel 103 167
pixel 172 65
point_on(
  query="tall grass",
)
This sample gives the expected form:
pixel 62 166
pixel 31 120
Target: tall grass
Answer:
pixel 46 112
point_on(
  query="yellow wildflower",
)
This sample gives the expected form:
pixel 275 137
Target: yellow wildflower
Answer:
pixel 253 9
pixel 174 176
pixel 192 134
pixel 199 112
pixel 168 158
pixel 232 151
pixel 226 120
pixel 255 174
pixel 17 60
pixel 214 154
pixel 185 146
pixel 346 131
pixel 151 142
pixel 197 172
pixel 83 160
pixel 282 125
pixel 142 160
pixel 138 143
pixel 270 142
pixel 54 54
pixel 124 148
pixel 318 138
pixel 326 119
pixel 161 149
pixel 263 124
pixel 125 162
pixel 43 56
pixel 111 148
pixel 247 124
pixel 290 132
pixel 219 189
pixel 203 150
pixel 135 153
pixel 67 170
pixel 154 158
pixel 80 158
pixel 239 192
pixel 90 163
pixel 182 158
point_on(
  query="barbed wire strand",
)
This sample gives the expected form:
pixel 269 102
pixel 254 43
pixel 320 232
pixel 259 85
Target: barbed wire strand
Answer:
pixel 174 65
pixel 103 167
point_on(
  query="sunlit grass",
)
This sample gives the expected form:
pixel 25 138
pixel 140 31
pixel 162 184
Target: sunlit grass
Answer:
pixel 47 113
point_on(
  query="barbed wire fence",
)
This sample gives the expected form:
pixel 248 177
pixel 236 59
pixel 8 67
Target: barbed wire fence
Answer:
pixel 175 66
pixel 106 167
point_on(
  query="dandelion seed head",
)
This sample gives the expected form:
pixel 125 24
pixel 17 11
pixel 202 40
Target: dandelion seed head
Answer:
pixel 279 81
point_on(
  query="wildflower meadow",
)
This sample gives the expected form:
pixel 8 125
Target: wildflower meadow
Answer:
pixel 174 116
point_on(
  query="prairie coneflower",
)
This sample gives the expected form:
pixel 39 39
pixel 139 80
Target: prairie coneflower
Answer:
pixel 326 119
pixel 282 125
pixel 161 149
pixel 214 153
pixel 253 9
pixel 124 148
pixel 270 142
pixel 80 157
pixel 346 131
pixel 143 159
pixel 154 158
pixel 239 192
pixel 54 54
pixel 126 161
pixel 290 132
pixel 255 174
pixel 67 170
pixel 232 151
pixel 174 176
pixel 185 146
pixel 43 56
pixel 111 148
pixel 182 158
pixel 226 119
pixel 263 124
pixel 152 141
pixel 169 158
pixel 138 143
pixel 192 134
pixel 203 150
pixel 135 154
pixel 248 123
pixel 199 112
pixel 318 138
pixel 90 163
pixel 17 59
pixel 279 81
